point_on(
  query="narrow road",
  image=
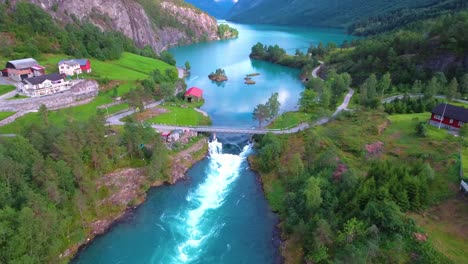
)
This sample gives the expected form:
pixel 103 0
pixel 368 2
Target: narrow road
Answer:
pixel 316 69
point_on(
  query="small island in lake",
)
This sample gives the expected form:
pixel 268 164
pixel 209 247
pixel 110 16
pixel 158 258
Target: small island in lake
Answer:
pixel 218 76
pixel 253 74
pixel 248 78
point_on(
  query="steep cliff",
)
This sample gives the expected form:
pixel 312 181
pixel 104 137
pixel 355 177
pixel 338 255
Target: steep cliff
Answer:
pixel 155 23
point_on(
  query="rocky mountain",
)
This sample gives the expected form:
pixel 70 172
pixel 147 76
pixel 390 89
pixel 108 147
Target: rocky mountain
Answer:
pixel 216 8
pixel 331 13
pixel 156 23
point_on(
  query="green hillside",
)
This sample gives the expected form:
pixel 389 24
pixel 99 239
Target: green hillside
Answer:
pixel 329 13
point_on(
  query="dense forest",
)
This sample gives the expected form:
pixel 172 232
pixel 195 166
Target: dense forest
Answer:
pixel 401 17
pixel 49 191
pixel 327 13
pixel 418 52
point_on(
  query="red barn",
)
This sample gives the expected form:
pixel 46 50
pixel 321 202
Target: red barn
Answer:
pixel 449 116
pixel 85 65
pixel 193 92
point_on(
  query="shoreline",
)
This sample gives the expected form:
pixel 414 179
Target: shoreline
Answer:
pixel 199 151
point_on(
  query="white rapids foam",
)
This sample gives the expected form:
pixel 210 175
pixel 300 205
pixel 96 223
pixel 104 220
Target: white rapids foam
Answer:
pixel 223 170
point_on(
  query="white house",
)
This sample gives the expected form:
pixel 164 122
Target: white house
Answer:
pixel 44 85
pixel 69 67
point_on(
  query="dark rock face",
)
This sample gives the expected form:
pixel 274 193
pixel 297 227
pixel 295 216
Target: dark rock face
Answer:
pixel 130 18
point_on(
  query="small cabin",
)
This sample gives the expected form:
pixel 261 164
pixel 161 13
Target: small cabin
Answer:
pixel 193 94
pixel 449 116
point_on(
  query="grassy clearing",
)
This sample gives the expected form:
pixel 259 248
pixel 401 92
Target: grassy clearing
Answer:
pixel 4 115
pixel 446 227
pixel 439 148
pixel 289 119
pixel 6 89
pixel 180 116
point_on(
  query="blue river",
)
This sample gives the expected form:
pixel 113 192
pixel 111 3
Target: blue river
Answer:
pixel 219 214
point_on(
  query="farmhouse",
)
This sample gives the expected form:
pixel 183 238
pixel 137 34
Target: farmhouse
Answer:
pixel 74 66
pixel 192 93
pixel 85 65
pixel 19 70
pixel 69 67
pixel 44 85
pixel 449 116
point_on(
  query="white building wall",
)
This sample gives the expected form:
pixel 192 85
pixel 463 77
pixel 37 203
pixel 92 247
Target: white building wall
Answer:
pixel 69 70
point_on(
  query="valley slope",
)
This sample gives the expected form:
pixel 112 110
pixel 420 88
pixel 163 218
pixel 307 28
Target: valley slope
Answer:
pixel 331 13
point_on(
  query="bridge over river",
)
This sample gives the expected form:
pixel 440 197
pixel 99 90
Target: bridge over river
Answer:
pixel 230 130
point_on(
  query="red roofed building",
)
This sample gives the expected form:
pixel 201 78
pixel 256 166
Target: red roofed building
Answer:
pixel 193 92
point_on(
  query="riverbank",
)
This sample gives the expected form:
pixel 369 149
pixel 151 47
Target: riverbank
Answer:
pixel 127 189
pixel 278 239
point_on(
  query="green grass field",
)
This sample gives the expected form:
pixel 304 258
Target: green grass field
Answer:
pixel 4 115
pixel 130 67
pixel 289 119
pixel 6 89
pixel 180 116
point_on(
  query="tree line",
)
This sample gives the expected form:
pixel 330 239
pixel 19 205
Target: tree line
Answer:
pixel 401 17
pixel 278 55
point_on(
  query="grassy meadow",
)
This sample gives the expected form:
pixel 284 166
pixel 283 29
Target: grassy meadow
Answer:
pixel 4 115
pixel 179 116
pixel 6 89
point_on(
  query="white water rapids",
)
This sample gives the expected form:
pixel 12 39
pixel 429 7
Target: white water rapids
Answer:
pixel 197 221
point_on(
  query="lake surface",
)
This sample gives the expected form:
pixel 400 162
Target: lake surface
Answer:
pixel 219 214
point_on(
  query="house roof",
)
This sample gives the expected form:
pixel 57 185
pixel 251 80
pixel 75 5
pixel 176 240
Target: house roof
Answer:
pixel 69 62
pixel 82 62
pixel 38 67
pixel 21 64
pixel 42 78
pixel 194 91
pixel 451 111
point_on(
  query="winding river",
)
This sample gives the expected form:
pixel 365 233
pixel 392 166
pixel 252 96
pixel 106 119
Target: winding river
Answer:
pixel 219 215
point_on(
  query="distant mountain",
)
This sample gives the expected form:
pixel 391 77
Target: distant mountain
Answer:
pixel 331 13
pixel 216 8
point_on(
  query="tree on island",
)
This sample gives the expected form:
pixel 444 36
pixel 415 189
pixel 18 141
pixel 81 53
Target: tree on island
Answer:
pixel 218 76
pixel 267 111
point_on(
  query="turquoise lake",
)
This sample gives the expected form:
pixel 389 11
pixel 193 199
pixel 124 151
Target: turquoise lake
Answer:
pixel 219 214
